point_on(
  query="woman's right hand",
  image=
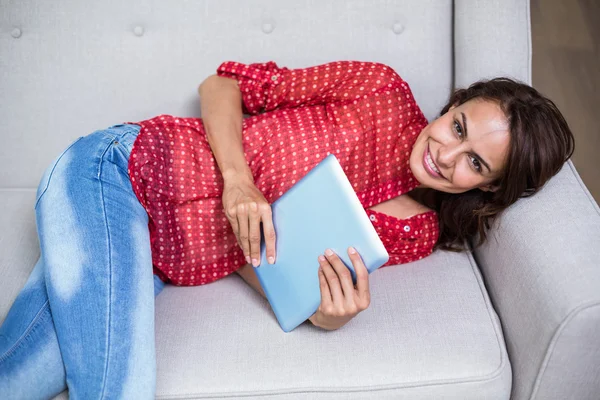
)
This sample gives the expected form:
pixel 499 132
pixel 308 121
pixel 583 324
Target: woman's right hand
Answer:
pixel 245 208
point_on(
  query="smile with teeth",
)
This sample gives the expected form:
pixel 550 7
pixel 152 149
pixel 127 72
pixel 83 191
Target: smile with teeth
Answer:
pixel 431 164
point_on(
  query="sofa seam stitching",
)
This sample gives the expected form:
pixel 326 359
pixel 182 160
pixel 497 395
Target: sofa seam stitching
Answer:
pixel 552 345
pixel 489 306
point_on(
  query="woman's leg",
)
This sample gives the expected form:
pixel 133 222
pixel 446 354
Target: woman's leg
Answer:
pixel 95 248
pixel 31 366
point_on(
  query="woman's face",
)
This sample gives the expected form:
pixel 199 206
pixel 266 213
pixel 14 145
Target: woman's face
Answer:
pixel 460 144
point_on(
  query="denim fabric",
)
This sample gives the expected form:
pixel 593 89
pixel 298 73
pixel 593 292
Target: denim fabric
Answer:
pixel 85 317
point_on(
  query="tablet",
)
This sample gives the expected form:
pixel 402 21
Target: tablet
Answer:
pixel 320 211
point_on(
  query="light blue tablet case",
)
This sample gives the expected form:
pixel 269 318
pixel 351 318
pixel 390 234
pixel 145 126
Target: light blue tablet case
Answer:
pixel 320 211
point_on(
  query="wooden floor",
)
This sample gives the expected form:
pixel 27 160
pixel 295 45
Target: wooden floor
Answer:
pixel 566 68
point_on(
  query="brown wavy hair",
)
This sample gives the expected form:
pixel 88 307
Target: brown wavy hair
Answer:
pixel 540 143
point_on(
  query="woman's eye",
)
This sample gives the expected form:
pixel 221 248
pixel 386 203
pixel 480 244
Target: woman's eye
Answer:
pixel 475 161
pixel 476 164
pixel 457 127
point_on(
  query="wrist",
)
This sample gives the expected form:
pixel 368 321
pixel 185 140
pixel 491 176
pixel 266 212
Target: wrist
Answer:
pixel 237 175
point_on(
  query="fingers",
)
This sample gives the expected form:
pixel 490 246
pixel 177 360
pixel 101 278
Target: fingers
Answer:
pixel 326 300
pixel 269 231
pixel 235 225
pixel 334 282
pixel 362 278
pixel 340 282
pixel 242 220
pixel 343 274
pixel 245 220
pixel 254 219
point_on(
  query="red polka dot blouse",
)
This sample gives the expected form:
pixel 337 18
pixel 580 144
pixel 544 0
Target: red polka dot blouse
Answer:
pixel 362 112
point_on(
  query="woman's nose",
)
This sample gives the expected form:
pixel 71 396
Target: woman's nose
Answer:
pixel 446 155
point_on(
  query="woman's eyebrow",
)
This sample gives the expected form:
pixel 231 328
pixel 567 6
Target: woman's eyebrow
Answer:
pixel 464 119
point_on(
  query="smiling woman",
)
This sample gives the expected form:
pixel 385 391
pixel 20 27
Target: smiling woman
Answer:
pixel 453 158
pixel 495 142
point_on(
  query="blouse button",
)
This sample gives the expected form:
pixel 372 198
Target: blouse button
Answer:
pixel 274 78
pixel 372 217
pixel 406 228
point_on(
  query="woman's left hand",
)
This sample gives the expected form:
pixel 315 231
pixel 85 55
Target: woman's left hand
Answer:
pixel 340 299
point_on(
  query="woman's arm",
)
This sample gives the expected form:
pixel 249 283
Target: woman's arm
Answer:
pixel 221 108
pixel 265 86
pixel 247 273
pixel 244 204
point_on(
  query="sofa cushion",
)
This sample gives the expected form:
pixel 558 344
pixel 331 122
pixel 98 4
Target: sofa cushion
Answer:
pixel 430 332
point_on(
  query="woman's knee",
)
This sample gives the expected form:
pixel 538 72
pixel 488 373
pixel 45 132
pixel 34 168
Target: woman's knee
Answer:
pixel 50 171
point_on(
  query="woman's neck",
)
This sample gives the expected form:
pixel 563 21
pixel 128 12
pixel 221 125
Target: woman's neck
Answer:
pixel 424 196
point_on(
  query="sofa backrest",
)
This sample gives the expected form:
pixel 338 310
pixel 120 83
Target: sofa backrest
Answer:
pixel 69 68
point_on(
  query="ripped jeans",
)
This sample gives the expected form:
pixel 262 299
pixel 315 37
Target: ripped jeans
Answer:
pixel 85 318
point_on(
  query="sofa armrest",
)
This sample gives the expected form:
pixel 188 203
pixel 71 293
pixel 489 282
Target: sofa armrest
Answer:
pixel 491 38
pixel 541 265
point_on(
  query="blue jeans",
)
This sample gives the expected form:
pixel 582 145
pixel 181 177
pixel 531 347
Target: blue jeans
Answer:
pixel 85 317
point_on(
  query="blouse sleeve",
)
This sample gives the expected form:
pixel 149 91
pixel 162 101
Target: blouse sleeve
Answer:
pixel 266 86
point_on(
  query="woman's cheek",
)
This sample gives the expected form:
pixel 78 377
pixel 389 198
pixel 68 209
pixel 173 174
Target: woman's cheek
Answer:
pixel 464 180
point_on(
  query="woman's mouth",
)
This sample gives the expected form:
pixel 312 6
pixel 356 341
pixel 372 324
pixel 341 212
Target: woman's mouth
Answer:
pixel 430 166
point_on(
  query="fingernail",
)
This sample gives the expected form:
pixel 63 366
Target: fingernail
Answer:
pixel 321 258
pixel 352 251
pixel 328 252
pixel 248 259
pixel 255 262
pixel 271 260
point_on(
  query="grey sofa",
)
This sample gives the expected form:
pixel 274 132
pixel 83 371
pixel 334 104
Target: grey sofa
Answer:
pixel 519 318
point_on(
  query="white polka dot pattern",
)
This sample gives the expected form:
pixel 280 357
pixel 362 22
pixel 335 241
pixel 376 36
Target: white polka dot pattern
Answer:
pixel 402 244
pixel 362 112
